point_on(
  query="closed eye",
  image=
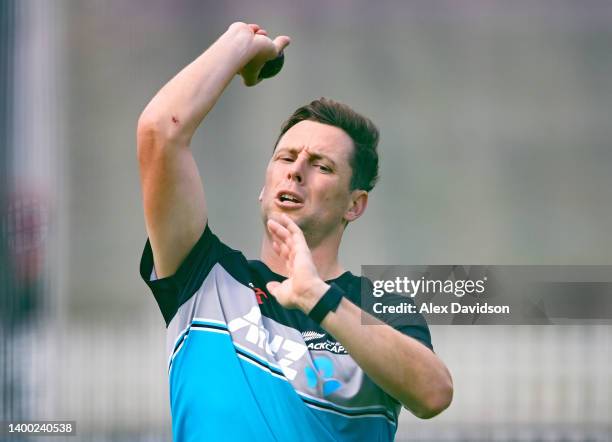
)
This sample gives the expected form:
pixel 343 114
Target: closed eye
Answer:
pixel 323 168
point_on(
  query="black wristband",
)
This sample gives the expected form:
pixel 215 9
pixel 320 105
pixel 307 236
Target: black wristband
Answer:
pixel 328 303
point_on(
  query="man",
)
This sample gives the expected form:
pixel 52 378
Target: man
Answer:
pixel 273 349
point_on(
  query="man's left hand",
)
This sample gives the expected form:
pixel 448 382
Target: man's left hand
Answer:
pixel 303 286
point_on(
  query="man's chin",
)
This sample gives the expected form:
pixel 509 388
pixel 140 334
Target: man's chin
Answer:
pixel 276 215
pixel 296 217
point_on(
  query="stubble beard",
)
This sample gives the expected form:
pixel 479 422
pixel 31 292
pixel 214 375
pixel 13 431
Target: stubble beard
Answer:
pixel 307 224
pixel 313 229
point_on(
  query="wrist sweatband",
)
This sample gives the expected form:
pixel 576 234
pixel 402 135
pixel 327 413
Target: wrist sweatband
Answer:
pixel 328 303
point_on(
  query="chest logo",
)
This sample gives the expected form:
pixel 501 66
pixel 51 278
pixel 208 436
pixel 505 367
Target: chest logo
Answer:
pixel 284 350
pixel 322 375
pixel 258 293
pixel 311 335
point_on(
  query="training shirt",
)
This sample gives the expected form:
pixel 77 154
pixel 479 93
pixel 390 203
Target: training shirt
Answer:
pixel 242 367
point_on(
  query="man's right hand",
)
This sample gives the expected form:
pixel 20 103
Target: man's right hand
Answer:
pixel 173 194
pixel 262 49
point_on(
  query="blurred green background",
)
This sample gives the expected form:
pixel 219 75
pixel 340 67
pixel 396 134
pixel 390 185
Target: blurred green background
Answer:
pixel 495 149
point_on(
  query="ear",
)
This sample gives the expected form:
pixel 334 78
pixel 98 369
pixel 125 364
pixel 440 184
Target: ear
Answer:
pixel 261 194
pixel 358 204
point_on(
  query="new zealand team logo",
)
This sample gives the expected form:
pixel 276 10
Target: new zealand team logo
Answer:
pixel 315 341
pixel 323 375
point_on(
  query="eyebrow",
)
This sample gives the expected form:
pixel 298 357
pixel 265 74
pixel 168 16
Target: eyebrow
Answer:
pixel 312 156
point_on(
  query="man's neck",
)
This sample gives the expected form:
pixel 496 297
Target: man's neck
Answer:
pixel 324 256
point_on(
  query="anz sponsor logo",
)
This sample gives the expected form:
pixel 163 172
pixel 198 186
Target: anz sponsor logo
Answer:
pixel 273 345
pixel 329 345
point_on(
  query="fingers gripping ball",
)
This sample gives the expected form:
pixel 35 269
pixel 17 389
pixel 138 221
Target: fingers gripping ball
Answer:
pixel 272 67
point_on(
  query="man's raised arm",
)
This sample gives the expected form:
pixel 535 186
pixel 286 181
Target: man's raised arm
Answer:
pixel 173 195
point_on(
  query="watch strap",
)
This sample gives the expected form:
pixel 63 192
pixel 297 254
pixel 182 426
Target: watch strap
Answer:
pixel 328 303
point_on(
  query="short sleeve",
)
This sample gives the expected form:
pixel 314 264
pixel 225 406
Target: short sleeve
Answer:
pixel 173 291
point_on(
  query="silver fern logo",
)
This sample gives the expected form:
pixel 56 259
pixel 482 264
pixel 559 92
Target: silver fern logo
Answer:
pixel 312 335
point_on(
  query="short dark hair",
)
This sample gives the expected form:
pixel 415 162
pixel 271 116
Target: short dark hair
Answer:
pixel 363 132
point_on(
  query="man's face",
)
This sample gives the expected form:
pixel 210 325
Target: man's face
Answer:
pixel 308 178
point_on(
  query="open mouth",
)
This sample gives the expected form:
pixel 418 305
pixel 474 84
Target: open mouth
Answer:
pixel 289 199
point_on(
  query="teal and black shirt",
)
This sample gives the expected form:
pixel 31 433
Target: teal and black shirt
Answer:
pixel 242 367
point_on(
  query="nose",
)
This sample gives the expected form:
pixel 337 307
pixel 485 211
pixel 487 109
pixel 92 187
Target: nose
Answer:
pixel 295 176
pixel 296 172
